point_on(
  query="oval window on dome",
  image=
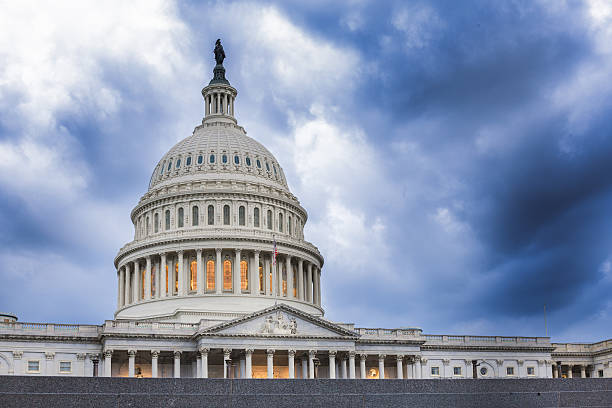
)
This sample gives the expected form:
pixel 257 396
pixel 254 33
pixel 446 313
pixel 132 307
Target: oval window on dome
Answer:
pixel 178 163
pixel 200 159
pixel 188 161
pixel 224 158
pixel 258 164
pixel 248 161
pixel 236 159
pixel 212 158
pixel 169 165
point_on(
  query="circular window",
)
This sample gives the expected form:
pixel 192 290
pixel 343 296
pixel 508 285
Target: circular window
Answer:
pixel 483 371
pixel 248 161
pixel 258 164
pixel 224 158
pixel 236 159
pixel 212 158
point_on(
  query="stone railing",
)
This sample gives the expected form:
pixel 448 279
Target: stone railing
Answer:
pixel 476 340
pixel 389 333
pixel 50 329
pixel 582 347
pixel 113 326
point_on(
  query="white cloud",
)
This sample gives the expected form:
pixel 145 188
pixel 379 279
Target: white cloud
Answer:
pixel 419 23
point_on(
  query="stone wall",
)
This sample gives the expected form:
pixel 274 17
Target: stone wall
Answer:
pixel 16 391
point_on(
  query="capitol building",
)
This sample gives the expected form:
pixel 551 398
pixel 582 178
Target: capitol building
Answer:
pixel 220 282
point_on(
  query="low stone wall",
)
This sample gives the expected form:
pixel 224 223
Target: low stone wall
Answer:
pixel 67 392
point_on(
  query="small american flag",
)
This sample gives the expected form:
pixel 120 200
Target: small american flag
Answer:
pixel 275 251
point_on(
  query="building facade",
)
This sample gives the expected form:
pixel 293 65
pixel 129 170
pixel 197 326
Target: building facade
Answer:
pixel 219 282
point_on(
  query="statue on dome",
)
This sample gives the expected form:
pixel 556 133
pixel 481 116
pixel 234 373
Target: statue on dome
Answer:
pixel 219 53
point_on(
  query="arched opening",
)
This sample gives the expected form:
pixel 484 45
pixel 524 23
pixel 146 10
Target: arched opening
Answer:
pixel 193 281
pixel 261 278
pixel 289 224
pixel 269 219
pixel 176 280
pixel 147 226
pixel 181 217
pixel 156 220
pixel 227 275
pixel 256 217
pixel 280 222
pixel 211 215
pixel 167 220
pixel 241 216
pixel 195 216
pixel 210 275
pixel 226 215
pixel 244 275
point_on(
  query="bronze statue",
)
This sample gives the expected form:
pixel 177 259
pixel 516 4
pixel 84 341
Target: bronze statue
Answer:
pixel 219 53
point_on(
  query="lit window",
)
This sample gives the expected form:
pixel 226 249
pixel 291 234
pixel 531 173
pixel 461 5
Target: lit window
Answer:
pixel 295 279
pixel 530 370
pixel 269 219
pixel 176 277
pixel 180 217
pixel 167 219
pixel 226 215
pixel 169 165
pixel 509 370
pixel 456 370
pixel 195 216
pixel 227 275
pixel 236 159
pixel 33 366
pixel 241 216
pixel 178 163
pixel 188 161
pixel 258 164
pixel 284 279
pixel 244 275
pixel 212 158
pixel 224 159
pixel 261 279
pixel 193 282
pixel 211 215
pixel 153 272
pixel 280 222
pixel 200 159
pixel 166 278
pixel 256 217
pixel 210 275
pixel 435 371
pixel 65 367
pixel 248 161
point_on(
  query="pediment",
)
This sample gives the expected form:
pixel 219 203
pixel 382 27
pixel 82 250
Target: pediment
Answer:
pixel 279 321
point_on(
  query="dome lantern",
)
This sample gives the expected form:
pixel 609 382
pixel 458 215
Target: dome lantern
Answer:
pixel 219 95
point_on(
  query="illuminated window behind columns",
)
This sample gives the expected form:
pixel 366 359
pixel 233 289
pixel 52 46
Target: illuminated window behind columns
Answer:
pixel 270 279
pixel 294 280
pixel 261 279
pixel 193 282
pixel 210 275
pixel 176 277
pixel 244 275
pixel 153 271
pixel 227 275
pixel 142 282
pixel 284 279
pixel 166 277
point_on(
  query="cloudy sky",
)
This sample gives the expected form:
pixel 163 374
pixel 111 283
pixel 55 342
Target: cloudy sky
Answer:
pixel 455 157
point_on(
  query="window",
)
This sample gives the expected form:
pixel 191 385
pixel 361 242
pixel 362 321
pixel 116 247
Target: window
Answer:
pixel 226 215
pixel 167 219
pixel 200 159
pixel 258 164
pixel 33 366
pixel 153 272
pixel 156 220
pixel 295 279
pixel 211 159
pixel 261 279
pixel 65 367
pixel 256 217
pixel 227 275
pixel 236 159
pixel 274 167
pixel 176 277
pixel 600 373
pixel 193 282
pixel 169 165
pixel 224 159
pixel 210 275
pixel 280 222
pixel 162 169
pixel 195 215
pixel 284 279
pixel 267 166
pixel 289 224
pixel 181 217
pixel 188 161
pixel 531 371
pixel 509 371
pixel 456 370
pixel 483 371
pixel 435 371
pixel 244 275
pixel 178 163
pixel 248 161
pixel 211 215
pixel 167 277
pixel 241 216
pixel 147 226
pixel 269 219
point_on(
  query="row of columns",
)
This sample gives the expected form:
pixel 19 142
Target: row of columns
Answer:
pixel 557 370
pixel 307 286
pixel 220 103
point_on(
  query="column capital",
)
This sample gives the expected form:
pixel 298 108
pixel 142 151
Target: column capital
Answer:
pixel 249 351
pixel 17 355
pixel 382 356
pixel 499 362
pixel 312 353
pixel 300 261
pixel 94 356
pixel 238 250
pixel 148 258
pixel 204 350
pixel 423 360
pixel 81 356
pixel 270 351
pixel 155 353
pixel 541 361
pixel 399 357
pixel 227 352
pixel 108 353
pixel 363 356
pixel 291 353
pixel 49 355
pixel 177 354
pixel 351 354
pixel 199 251
pixel 468 362
pixel 218 250
pixel 417 358
pixel 163 253
pixel 257 252
pixel 131 353
pixel 446 361
pixel 520 362
pixel 332 353
pixel 180 252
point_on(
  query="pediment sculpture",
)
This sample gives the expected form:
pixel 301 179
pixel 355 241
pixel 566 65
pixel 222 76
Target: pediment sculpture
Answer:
pixel 278 324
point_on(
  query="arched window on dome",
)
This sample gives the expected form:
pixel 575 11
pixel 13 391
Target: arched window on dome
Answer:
pixel 261 278
pixel 226 215
pixel 289 225
pixel 210 275
pixel 169 165
pixel 188 161
pixel 244 276
pixel 256 217
pixel 274 167
pixel 241 216
pixel 195 216
pixel 200 159
pixel 147 226
pixel 280 222
pixel 224 159
pixel 227 275
pixel 211 159
pixel 161 171
pixel 193 281
pixel 236 159
pixel 211 215
pixel 248 161
pixel 156 221
pixel 167 220
pixel 269 219
pixel 181 217
pixel 178 163
pixel 267 166
pixel 258 164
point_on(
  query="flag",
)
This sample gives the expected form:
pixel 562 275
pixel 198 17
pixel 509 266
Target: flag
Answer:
pixel 275 251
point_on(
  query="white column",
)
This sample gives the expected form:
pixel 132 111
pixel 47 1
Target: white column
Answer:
pixel 291 363
pixel 128 286
pixel 136 283
pixel 309 284
pixel 177 364
pixel 381 366
pixel 255 289
pixel 400 367
pixel 206 106
pixel 289 277
pixel 200 268
pixel 147 282
pixel 218 109
pixel 318 286
pixel 332 364
pixel 236 276
pixel 300 282
pixel 270 361
pixel 225 109
pixel 362 365
pixel 583 371
pixel 273 269
pixel 233 106
pixel 154 357
pixel 242 367
pixel 131 361
pixel 226 359
pixel 248 363
pixel 569 371
pixel 121 300
pixel 311 368
pixel 162 274
pixel 108 356
pixel 218 272
pixel 181 274
pixel 343 370
pixel 204 362
pixel 351 364
pixel 417 367
pixel 304 367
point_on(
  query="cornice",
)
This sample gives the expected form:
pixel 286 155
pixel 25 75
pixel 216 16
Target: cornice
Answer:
pixel 390 341
pixel 487 348
pixel 55 339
